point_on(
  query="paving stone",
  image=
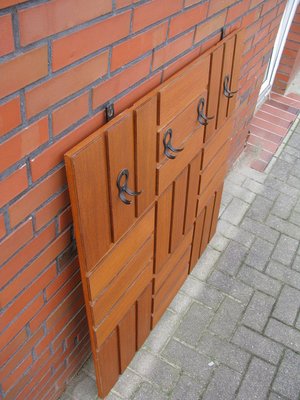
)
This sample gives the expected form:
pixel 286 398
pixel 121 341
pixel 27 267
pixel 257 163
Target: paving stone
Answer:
pixel 257 381
pixel 187 389
pixel 257 344
pixel 293 181
pixel 238 191
pixel 281 170
pixel 149 392
pixel 235 211
pixel 267 191
pixel 162 332
pixel 298 323
pixel 232 258
pixel 285 249
pixel 237 234
pixel 287 156
pixel 294 141
pixel 281 187
pixel 89 367
pixel 295 218
pixel 226 318
pixel 205 264
pixel 258 311
pixel 155 369
pixel 219 242
pixel 252 173
pixel 224 352
pixel 259 281
pixel 297 206
pixel 275 396
pixel 226 199
pixel 288 305
pixel 202 292
pixel 284 334
pixel 284 274
pixel 259 254
pixel 113 396
pixel 296 264
pixel 180 303
pixel 283 206
pixel 128 384
pixel 82 387
pixel 292 151
pixel 231 286
pixel 283 226
pixel 193 363
pixel 260 230
pixel 223 385
pixel 193 324
pixel 236 177
pixel 287 381
pixel 260 208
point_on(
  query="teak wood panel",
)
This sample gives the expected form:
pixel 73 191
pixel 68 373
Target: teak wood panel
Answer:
pixel 134 258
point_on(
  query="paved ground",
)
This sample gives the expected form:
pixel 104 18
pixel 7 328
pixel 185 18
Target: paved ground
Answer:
pixel 233 330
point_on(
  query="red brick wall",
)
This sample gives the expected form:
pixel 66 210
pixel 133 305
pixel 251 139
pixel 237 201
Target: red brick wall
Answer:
pixel 290 59
pixel 61 61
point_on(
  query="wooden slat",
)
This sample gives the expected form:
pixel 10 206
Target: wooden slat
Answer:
pixel 182 126
pixel 214 90
pixel 207 223
pixel 120 309
pixel 144 312
pixel 178 209
pixel 216 211
pixel 145 133
pixel 111 295
pixel 112 264
pixel 163 227
pixel 192 191
pixel 127 338
pixel 108 363
pixel 120 139
pixel 227 70
pixel 87 177
pixel 197 237
pixel 183 89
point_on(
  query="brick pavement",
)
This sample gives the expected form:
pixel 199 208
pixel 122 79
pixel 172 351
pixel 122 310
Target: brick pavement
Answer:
pixel 233 330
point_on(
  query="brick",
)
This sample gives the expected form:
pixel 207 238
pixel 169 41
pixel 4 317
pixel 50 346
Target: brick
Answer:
pixel 284 334
pixel 237 11
pixel 24 142
pixel 23 256
pixel 258 345
pixel 259 281
pixel 230 286
pixel 175 66
pixel 210 26
pixel 163 55
pixel 258 311
pixel 161 372
pixel 9 381
pixel 62 279
pixel 194 363
pixel 63 13
pixel 63 85
pixel 257 381
pixel 153 11
pixel 188 19
pixel 51 209
pixel 284 274
pixel 120 82
pixel 232 258
pixel 215 7
pixel 16 240
pixel 10 115
pixel 13 185
pixel 79 44
pixel 2 226
pixel 223 385
pixel 36 196
pixel 69 113
pixel 287 379
pixel 133 48
pixel 11 348
pixel 288 305
pixel 23 70
pixel 123 3
pixel 6 35
pixel 285 250
pixel 267 6
pixel 53 155
pixel 202 292
pixel 193 324
pixel 259 254
pixel 7 3
pixel 65 219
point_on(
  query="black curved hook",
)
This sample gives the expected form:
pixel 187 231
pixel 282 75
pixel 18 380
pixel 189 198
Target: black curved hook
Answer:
pixel 227 92
pixel 168 145
pixel 202 118
pixel 123 187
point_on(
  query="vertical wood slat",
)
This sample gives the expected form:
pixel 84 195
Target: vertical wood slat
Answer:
pixel 216 211
pixel 192 191
pixel 120 140
pixel 127 338
pixel 143 312
pixel 145 152
pixel 207 223
pixel 197 237
pixel 178 212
